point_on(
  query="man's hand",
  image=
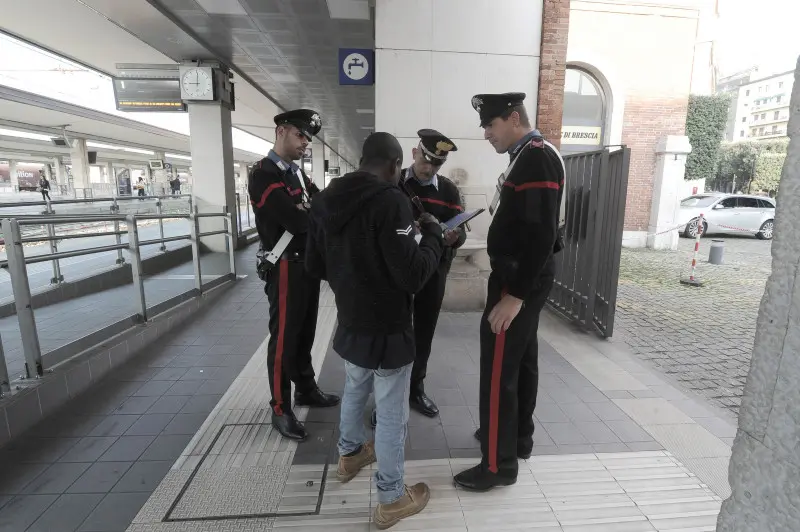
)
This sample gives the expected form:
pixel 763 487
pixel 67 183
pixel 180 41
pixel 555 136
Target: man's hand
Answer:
pixel 450 237
pixel 503 313
pixel 428 222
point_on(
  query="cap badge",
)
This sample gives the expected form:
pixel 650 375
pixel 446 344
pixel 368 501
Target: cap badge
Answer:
pixel 443 147
pixel 477 103
pixel 315 120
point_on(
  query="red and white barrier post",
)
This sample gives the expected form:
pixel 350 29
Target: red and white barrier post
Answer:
pixel 693 281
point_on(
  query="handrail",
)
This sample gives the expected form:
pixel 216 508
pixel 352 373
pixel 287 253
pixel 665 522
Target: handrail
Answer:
pixel 88 200
pixel 17 266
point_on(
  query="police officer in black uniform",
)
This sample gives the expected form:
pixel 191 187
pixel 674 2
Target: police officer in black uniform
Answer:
pixel 522 239
pixel 440 197
pixel 280 193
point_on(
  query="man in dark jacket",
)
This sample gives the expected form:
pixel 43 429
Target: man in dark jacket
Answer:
pixel 280 193
pixel 361 239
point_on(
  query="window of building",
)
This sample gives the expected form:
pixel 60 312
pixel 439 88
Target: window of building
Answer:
pixel 741 133
pixel 777 115
pixel 780 84
pixel 778 99
pixel 584 113
pixel 744 119
pixel 761 131
pixel 760 89
pixel 766 87
pixel 763 116
pixel 747 92
pixel 774 129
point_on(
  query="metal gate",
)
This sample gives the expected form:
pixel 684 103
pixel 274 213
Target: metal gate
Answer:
pixel 587 269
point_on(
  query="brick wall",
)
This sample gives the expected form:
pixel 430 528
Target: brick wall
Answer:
pixel 647 119
pixel 646 49
pixel 555 33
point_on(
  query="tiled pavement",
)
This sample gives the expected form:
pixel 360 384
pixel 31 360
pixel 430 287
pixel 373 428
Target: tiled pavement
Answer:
pixel 701 337
pixel 93 465
pixel 616 447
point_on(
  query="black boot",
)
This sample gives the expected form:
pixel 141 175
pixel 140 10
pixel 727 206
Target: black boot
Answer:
pixel 524 451
pixel 423 404
pixel 288 426
pixel 479 479
pixel 314 397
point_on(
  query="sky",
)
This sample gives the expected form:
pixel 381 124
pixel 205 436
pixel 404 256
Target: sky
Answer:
pixel 762 32
pixel 28 68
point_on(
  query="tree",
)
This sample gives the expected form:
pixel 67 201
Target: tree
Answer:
pixel 705 126
pixel 750 165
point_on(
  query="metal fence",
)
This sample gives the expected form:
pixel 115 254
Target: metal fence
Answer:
pixel 17 266
pixel 49 213
pixel 587 270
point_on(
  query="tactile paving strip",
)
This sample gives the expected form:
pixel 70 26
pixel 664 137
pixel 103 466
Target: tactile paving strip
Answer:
pixel 242 476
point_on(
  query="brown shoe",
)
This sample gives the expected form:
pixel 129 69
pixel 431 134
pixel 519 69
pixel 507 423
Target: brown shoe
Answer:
pixel 349 466
pixel 413 502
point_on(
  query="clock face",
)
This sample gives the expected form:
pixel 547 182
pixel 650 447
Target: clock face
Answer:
pixel 196 84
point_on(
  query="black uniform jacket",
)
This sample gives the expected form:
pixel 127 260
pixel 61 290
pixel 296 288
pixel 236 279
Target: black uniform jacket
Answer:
pixel 523 235
pixel 443 202
pixel 275 195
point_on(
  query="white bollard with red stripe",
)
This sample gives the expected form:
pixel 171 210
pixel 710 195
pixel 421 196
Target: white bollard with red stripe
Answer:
pixel 693 281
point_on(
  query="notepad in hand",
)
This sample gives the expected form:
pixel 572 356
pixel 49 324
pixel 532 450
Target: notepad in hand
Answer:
pixel 461 219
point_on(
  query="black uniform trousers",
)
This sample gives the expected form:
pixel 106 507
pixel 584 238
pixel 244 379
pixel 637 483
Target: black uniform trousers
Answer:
pixel 509 379
pixel 427 305
pixel 293 302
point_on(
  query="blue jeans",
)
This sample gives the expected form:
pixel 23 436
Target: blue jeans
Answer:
pixel 392 388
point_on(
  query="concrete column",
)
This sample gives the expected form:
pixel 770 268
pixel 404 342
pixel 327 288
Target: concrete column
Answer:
pixel 12 173
pixel 48 173
pixel 426 78
pixel 318 162
pixel 79 157
pixel 60 176
pixel 160 177
pixel 213 183
pixel 671 153
pixel 765 467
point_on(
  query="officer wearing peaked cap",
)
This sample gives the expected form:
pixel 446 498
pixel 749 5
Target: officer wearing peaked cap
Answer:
pixel 522 240
pixel 439 196
pixel 280 193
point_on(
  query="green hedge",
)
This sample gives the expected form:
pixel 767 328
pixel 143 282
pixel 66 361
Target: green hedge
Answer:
pixel 768 172
pixel 741 159
pixel 705 127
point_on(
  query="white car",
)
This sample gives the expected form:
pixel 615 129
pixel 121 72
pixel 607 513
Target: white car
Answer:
pixel 728 214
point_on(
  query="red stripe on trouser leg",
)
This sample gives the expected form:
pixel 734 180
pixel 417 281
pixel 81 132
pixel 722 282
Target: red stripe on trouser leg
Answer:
pixel 283 286
pixel 494 399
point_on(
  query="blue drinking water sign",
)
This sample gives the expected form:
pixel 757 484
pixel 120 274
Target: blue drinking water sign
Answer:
pixel 356 66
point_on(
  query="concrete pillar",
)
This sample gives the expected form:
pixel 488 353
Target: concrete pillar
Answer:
pixel 764 470
pixel 48 173
pixel 318 162
pixel 79 157
pixel 213 183
pixel 671 153
pixel 160 177
pixel 58 168
pixel 426 79
pixel 12 173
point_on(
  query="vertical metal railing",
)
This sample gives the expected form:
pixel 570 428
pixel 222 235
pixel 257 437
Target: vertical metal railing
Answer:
pixel 136 267
pixel 22 299
pixel 160 212
pixel 118 236
pixel 51 234
pixel 587 269
pixel 17 269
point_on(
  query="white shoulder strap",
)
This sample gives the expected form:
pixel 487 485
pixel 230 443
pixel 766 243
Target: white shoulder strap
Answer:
pixel 562 208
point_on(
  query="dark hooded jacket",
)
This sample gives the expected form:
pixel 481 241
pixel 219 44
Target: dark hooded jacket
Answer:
pixel 361 239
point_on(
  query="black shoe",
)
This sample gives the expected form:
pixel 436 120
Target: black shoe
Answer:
pixel 315 398
pixel 288 426
pixel 373 419
pixel 423 404
pixel 524 454
pixel 478 479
